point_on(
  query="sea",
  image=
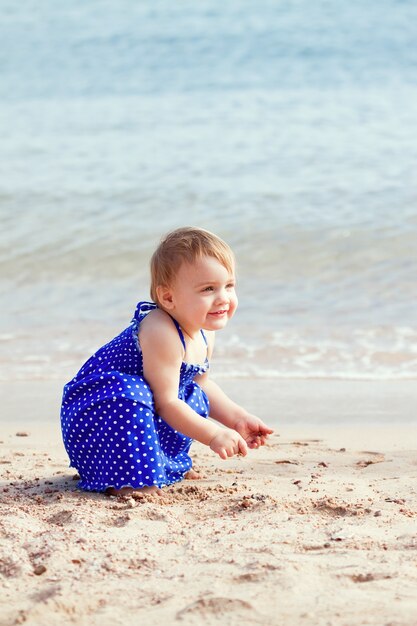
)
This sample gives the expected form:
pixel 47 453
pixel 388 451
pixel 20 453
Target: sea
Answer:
pixel 286 127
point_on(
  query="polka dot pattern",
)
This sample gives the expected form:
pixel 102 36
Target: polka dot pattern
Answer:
pixel 111 432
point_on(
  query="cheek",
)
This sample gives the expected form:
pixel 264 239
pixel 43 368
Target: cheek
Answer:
pixel 233 305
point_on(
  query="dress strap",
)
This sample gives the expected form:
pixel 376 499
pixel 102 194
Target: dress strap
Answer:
pixel 142 309
pixel 204 337
pixel 178 327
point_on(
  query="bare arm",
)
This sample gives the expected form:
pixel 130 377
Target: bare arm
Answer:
pixel 222 408
pixel 162 358
pixel 231 414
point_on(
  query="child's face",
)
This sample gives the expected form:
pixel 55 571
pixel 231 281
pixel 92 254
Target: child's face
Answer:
pixel 202 296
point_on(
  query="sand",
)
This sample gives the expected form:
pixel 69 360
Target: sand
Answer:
pixel 318 527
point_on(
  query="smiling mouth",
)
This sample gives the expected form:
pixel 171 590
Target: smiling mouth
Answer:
pixel 223 312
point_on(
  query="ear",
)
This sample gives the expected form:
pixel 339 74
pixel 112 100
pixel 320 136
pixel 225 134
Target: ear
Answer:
pixel 165 298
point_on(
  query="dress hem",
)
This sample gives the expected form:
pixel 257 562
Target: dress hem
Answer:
pixel 103 489
pixel 112 486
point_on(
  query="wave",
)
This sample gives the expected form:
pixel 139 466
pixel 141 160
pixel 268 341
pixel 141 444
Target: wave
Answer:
pixel 379 353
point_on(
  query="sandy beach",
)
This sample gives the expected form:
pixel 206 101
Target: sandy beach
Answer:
pixel 318 527
pixel 287 130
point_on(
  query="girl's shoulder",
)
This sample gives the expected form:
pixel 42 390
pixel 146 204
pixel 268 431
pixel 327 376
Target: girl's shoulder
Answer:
pixel 157 335
pixel 157 320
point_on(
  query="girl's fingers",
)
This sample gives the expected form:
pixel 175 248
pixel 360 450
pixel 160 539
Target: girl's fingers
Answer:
pixel 264 429
pixel 242 447
pixel 257 441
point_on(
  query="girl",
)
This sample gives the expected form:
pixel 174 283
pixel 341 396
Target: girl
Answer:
pixel 130 414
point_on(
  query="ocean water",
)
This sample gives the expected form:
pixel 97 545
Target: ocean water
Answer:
pixel 287 128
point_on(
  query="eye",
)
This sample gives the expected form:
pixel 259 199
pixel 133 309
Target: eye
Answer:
pixel 230 286
pixel 209 288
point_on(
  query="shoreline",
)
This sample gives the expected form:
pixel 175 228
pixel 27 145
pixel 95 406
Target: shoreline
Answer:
pixel 280 402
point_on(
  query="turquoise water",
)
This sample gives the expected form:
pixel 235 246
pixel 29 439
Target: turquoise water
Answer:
pixel 289 130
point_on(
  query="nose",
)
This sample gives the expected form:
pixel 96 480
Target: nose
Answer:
pixel 222 296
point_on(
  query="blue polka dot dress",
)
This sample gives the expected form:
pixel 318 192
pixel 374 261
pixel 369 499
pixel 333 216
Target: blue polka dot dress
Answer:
pixel 111 432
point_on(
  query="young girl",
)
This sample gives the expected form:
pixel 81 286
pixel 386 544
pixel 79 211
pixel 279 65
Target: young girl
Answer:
pixel 130 414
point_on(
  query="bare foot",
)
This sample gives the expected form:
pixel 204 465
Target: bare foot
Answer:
pixel 128 491
pixel 192 475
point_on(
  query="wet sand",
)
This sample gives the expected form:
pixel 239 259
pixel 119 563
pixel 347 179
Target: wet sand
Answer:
pixel 318 527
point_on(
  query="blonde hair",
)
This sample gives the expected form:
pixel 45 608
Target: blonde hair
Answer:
pixel 186 245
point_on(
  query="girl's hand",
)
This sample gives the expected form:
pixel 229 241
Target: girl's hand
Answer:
pixel 253 430
pixel 227 443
